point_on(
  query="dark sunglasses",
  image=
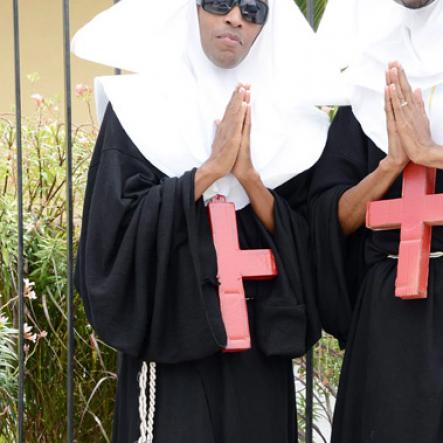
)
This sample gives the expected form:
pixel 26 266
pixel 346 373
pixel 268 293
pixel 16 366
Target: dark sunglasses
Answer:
pixel 253 11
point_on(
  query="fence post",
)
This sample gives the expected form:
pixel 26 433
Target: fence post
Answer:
pixel 70 223
pixel 20 259
pixel 310 15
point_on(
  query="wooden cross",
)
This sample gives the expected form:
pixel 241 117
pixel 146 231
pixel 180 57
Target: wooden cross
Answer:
pixel 234 265
pixel 414 214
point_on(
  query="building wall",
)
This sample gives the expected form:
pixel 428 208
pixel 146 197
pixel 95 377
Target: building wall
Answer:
pixel 42 52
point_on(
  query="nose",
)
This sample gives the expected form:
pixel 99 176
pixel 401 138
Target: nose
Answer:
pixel 234 18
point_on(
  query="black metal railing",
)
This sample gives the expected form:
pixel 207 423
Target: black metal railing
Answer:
pixel 70 431
pixel 20 270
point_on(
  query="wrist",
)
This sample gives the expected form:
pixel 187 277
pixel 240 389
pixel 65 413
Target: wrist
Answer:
pixel 209 171
pixel 428 155
pixel 391 165
pixel 249 178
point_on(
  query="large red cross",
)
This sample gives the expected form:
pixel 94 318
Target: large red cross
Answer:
pixel 234 265
pixel 415 213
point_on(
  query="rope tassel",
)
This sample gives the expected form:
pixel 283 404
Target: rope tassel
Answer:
pixel 147 413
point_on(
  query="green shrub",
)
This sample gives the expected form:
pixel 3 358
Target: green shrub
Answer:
pixel 45 251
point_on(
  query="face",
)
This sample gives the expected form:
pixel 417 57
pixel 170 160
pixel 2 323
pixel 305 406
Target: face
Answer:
pixel 415 4
pixel 226 39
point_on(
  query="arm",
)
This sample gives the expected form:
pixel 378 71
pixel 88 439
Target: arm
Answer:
pixel 262 201
pixel 338 259
pixel 144 257
pixel 353 203
pixel 203 179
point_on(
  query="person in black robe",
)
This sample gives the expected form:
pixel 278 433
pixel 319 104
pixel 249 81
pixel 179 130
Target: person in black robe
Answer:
pixel 147 272
pixel 391 385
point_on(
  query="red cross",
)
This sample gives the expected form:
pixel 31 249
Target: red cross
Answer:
pixel 234 265
pixel 415 213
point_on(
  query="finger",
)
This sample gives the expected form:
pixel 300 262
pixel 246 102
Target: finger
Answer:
pixel 235 94
pixel 248 96
pixel 240 104
pixel 396 101
pixel 234 106
pixel 247 123
pixel 388 77
pixel 245 144
pixel 389 110
pixel 419 100
pixel 231 100
pixel 407 97
pixel 402 79
pixel 398 91
pixel 390 73
pixel 404 82
pixel 240 118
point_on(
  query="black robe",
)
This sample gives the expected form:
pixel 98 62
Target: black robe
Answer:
pixel 391 386
pixel 147 274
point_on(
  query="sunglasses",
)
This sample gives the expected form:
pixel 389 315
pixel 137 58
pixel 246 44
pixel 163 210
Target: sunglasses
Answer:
pixel 253 11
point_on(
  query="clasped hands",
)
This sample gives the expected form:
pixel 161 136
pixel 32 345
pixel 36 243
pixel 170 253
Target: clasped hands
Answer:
pixel 408 125
pixel 231 147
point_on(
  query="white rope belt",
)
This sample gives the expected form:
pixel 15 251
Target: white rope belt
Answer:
pixel 147 413
pixel 437 254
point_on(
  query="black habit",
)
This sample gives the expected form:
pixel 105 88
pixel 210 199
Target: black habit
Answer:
pixel 147 274
pixel 391 387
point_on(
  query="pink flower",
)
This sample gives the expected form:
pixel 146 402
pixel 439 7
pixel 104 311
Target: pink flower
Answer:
pixel 42 334
pixel 29 289
pixel 82 90
pixel 27 333
pixel 39 99
pixel 3 320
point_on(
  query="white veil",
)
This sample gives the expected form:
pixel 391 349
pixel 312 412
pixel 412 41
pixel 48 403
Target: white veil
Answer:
pixel 365 35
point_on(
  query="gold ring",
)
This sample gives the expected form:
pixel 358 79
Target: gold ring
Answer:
pixel 402 105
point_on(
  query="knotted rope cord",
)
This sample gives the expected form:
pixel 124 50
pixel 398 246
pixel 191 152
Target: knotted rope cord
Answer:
pixel 147 414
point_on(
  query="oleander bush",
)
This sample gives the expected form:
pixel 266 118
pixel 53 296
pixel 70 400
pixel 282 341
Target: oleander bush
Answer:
pixel 45 265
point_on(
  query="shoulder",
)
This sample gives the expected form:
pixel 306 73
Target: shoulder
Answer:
pixel 346 136
pixel 113 139
pixel 345 120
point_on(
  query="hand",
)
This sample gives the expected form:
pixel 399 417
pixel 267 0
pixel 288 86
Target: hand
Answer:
pixel 243 168
pixel 411 121
pixel 228 137
pixel 397 157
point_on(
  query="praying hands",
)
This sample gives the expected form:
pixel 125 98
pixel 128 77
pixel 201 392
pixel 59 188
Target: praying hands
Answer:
pixel 231 154
pixel 408 124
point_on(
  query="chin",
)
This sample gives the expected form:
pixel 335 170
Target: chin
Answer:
pixel 415 4
pixel 226 62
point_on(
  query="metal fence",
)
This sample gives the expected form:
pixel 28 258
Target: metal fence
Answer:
pixel 310 8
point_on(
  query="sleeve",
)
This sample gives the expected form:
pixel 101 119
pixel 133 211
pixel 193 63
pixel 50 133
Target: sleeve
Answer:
pixel 287 315
pixel 338 259
pixel 145 260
